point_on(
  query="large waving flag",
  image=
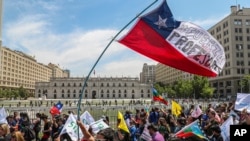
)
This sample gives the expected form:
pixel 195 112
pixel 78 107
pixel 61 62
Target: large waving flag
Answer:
pixel 176 108
pixel 122 125
pixel 158 97
pixel 193 129
pixel 182 45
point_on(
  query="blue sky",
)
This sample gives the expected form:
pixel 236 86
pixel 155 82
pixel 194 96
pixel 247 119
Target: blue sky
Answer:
pixel 73 33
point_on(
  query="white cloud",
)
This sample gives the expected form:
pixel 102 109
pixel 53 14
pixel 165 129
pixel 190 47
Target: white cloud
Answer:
pixel 76 51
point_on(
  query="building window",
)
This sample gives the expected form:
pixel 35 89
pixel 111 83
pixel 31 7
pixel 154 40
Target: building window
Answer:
pixel 86 95
pixel 55 85
pixel 119 95
pixel 68 95
pixel 107 95
pixel 74 84
pixel 101 84
pixel 247 21
pixel 148 95
pixel 113 91
pixel 93 84
pixel 141 91
pixel 107 84
pixel 62 84
pixel 74 95
pixel 125 95
pixel 54 91
pixel 62 95
pixel 113 95
pixel 113 84
pixel 119 85
pixel 68 84
pixel 125 85
pixel 133 84
pixel 237 22
pixel 62 91
pixel 101 95
pixel 142 95
pixel 68 90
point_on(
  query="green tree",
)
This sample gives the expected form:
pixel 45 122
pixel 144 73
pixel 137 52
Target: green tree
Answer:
pixel 201 87
pixel 22 92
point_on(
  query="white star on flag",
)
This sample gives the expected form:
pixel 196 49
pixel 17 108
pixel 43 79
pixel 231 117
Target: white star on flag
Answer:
pixel 161 22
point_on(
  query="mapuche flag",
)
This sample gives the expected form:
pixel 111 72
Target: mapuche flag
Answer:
pixel 182 45
pixel 158 97
pixel 193 129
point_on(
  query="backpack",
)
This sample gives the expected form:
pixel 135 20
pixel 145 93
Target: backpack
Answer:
pixel 29 133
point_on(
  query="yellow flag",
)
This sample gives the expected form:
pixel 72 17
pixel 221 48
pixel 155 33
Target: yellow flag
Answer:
pixel 176 108
pixel 122 125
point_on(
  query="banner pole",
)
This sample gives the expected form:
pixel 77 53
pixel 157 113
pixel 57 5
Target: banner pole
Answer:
pixel 87 78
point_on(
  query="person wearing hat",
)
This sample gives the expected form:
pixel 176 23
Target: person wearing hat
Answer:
pixel 216 133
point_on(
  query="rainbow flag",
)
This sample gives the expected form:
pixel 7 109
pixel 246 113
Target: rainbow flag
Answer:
pixel 192 129
pixel 158 97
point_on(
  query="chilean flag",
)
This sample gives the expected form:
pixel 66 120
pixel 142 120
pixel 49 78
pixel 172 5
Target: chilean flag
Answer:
pixel 182 45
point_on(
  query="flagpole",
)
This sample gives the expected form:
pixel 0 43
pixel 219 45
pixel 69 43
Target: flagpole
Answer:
pixel 87 78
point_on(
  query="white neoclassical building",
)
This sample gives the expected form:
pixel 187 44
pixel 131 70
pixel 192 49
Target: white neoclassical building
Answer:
pixel 96 88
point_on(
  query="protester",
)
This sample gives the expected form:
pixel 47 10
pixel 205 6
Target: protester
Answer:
pixel 17 136
pixel 46 129
pixel 5 132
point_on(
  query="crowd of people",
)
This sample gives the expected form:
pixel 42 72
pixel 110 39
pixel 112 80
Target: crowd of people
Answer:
pixel 160 124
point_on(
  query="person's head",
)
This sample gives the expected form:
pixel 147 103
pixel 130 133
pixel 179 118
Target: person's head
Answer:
pixel 216 129
pixel 17 136
pixel 152 129
pixel 105 135
pixel 44 117
pixel 38 115
pixel 4 129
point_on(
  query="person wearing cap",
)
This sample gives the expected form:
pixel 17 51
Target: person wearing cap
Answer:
pixel 216 133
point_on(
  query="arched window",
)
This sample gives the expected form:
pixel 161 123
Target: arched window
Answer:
pixel 68 90
pixel 133 84
pixel 141 91
pixel 74 91
pixel 101 84
pixel 55 85
pixel 148 91
pixel 133 91
pixel 86 91
pixel 39 91
pixel 55 91
pixel 107 84
pixel 107 91
pixel 125 84
pixel 113 84
pixel 119 91
pixel 125 91
pixel 113 91
pixel 74 84
pixel 93 84
pixel 102 91
pixel 119 84
pixel 68 84
pixel 62 91
pixel 62 84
